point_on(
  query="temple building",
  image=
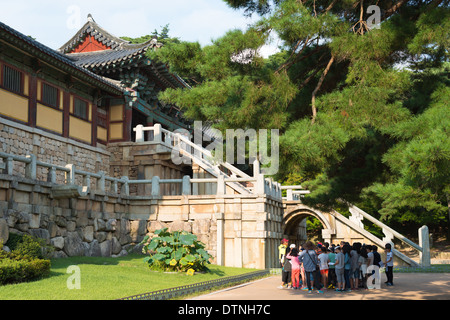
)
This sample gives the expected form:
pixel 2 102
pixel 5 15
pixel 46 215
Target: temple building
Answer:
pixel 95 89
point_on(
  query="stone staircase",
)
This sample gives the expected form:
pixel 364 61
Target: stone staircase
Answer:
pixel 185 151
pixel 356 223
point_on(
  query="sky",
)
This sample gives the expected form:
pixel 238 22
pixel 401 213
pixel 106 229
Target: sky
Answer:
pixel 53 22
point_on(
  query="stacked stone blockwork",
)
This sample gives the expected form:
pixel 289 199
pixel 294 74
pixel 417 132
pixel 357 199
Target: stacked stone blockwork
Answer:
pixel 234 228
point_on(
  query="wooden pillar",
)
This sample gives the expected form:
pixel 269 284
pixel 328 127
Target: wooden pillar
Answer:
pixel 66 113
pixel 32 101
pixel 94 124
pixel 127 123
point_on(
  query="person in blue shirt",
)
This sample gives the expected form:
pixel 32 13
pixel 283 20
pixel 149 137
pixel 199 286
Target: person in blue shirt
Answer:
pixel 339 269
pixel 309 259
pixel 347 265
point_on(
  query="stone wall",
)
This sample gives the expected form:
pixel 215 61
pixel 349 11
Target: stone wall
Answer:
pixel 22 140
pixel 144 161
pixel 239 231
pixel 94 226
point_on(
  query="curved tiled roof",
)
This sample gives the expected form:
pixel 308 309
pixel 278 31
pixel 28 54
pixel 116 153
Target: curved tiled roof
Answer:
pixel 52 57
pixel 100 59
pixel 101 35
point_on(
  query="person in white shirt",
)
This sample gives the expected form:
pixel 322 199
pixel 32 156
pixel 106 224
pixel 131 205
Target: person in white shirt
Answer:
pixel 323 265
pixel 389 263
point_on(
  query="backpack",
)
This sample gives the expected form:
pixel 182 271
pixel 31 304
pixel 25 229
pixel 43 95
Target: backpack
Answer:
pixel 287 265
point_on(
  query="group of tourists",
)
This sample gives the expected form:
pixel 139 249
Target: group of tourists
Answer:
pixel 342 267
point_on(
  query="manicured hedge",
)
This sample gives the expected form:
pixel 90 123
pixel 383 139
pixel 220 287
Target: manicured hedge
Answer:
pixel 15 269
pixel 25 262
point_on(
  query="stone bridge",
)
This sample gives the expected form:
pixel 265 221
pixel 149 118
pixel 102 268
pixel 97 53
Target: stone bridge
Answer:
pixel 337 228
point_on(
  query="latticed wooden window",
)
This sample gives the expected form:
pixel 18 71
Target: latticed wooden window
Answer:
pixel 12 79
pixel 80 108
pixel 102 117
pixel 50 95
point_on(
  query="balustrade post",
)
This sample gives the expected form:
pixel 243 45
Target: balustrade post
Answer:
pixel 290 194
pixel 260 187
pixel 168 140
pixel 157 133
pixel 271 187
pixel 114 187
pixel 256 168
pixel 279 196
pixel 30 168
pixel 87 181
pixel 139 133
pixel 424 242
pixel 125 187
pixel 70 176
pixel 9 166
pixel 101 182
pixel 221 186
pixel 51 176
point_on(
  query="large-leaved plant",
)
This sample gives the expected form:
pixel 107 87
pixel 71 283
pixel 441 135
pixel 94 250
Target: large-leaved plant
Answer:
pixel 177 251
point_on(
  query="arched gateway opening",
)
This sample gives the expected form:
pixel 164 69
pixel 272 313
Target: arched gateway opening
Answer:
pixel 294 225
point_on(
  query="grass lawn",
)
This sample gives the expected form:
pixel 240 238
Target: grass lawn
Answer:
pixel 435 268
pixel 106 279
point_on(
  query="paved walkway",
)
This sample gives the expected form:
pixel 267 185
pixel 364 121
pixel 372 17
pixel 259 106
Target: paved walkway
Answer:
pixel 408 286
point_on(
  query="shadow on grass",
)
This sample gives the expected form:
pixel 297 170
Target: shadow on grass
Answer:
pixel 215 272
pixel 134 259
pixel 65 262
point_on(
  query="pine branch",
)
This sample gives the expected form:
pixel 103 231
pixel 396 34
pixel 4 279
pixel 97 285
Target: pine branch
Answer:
pixel 313 99
pixel 330 6
pixel 291 61
pixel 389 12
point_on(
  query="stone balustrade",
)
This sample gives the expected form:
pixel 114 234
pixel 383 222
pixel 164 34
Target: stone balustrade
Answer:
pixel 121 186
pixel 103 219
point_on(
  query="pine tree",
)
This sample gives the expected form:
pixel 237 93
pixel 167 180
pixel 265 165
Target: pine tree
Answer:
pixel 363 109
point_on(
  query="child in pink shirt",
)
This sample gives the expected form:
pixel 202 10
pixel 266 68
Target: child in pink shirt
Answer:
pixel 295 272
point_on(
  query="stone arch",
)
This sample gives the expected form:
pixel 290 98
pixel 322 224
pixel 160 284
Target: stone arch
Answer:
pixel 293 218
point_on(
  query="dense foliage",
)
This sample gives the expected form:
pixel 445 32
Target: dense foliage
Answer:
pixel 25 262
pixel 363 110
pixel 175 251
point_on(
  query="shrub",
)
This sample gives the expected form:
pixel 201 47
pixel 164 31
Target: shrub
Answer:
pixel 25 262
pixel 16 268
pixel 175 251
pixel 26 245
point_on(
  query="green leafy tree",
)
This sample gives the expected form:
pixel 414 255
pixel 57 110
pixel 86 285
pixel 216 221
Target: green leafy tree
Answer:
pixel 419 189
pixel 344 94
pixel 162 36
